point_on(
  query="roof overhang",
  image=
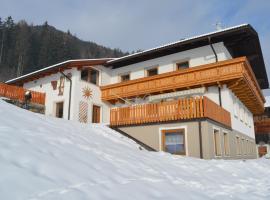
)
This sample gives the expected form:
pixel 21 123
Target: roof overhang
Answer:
pixel 240 41
pixel 57 68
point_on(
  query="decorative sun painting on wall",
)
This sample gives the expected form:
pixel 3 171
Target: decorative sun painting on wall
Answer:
pixel 87 93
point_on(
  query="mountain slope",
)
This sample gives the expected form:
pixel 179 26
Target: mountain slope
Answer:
pixel 46 158
pixel 25 48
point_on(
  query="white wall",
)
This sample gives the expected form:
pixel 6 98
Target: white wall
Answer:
pixel 77 94
pixel 198 56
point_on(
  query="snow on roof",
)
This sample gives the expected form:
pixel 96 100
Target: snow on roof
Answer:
pixel 55 66
pixel 179 41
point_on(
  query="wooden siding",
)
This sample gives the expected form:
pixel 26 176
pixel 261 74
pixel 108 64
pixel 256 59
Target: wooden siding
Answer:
pixel 17 93
pixel 262 125
pixel 182 109
pixel 235 73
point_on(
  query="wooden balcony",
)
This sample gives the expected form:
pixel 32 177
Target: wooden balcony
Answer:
pixel 235 73
pixel 182 109
pixel 17 93
pixel 262 125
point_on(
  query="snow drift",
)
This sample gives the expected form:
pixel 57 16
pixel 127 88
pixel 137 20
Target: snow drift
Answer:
pixel 47 158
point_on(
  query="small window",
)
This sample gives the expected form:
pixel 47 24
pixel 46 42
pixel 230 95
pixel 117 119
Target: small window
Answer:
pixel 238 145
pixel 174 141
pixel 125 77
pixel 182 65
pixel 226 144
pixel 84 75
pixel 152 72
pixel 90 75
pixel 243 147
pixel 217 143
pixel 59 109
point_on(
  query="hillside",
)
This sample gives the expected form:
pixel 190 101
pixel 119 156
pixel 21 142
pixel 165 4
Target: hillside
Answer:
pixel 52 158
pixel 25 48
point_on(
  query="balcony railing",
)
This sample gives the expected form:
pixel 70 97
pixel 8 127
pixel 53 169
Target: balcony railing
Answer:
pixel 182 109
pixel 235 73
pixel 17 93
pixel 262 125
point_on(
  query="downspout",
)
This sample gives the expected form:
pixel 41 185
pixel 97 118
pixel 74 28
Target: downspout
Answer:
pixel 216 58
pixel 200 139
pixel 70 87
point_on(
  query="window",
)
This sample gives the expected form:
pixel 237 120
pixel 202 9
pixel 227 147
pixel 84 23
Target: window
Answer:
pixel 238 145
pixel 217 143
pixel 125 77
pixel 243 146
pixel 226 143
pixel 59 109
pixel 90 75
pixel 152 72
pixel 174 141
pixel 182 65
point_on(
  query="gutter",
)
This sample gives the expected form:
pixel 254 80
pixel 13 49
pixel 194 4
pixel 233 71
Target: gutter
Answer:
pixel 216 58
pixel 70 87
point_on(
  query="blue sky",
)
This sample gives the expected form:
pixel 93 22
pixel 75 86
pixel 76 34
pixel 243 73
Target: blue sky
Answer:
pixel 142 24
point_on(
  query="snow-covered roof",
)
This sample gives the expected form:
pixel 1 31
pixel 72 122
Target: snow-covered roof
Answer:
pixel 55 66
pixel 177 42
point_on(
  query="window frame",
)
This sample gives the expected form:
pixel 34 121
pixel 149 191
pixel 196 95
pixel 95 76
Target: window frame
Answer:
pixel 214 142
pixel 181 62
pixel 89 69
pixel 182 131
pixel 151 68
pixel 121 75
pixel 228 143
pixel 238 145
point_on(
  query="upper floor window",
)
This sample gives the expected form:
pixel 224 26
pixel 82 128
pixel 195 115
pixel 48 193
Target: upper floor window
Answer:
pixel 90 75
pixel 182 65
pixel 152 71
pixel 125 77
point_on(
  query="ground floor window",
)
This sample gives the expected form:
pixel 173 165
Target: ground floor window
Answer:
pixel 226 144
pixel 217 142
pixel 59 109
pixel 238 145
pixel 174 141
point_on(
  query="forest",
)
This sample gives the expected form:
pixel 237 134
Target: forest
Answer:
pixel 26 47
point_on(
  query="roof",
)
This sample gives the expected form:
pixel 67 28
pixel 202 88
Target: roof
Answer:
pixel 241 40
pixel 58 67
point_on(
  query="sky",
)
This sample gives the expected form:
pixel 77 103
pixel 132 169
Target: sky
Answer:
pixel 143 24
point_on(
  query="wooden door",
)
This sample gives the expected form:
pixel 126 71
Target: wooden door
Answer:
pixel 96 114
pixel 59 109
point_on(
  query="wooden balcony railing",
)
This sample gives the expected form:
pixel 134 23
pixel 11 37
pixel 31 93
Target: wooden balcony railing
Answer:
pixel 235 73
pixel 262 125
pixel 17 93
pixel 182 109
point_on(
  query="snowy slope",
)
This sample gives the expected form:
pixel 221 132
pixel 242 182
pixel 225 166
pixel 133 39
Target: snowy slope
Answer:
pixel 48 158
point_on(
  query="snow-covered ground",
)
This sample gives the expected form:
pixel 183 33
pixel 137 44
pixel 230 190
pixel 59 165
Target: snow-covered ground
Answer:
pixel 47 158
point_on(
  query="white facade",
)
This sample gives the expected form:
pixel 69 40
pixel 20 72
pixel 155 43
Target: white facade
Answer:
pixel 242 119
pixel 198 56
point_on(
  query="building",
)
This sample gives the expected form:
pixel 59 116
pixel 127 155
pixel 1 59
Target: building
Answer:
pixel 194 97
pixel 262 130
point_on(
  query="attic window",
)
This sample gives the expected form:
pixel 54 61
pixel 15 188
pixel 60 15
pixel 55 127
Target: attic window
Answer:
pixel 90 75
pixel 182 65
pixel 152 72
pixel 125 77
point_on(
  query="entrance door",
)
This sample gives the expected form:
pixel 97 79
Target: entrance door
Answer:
pixel 96 114
pixel 59 109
